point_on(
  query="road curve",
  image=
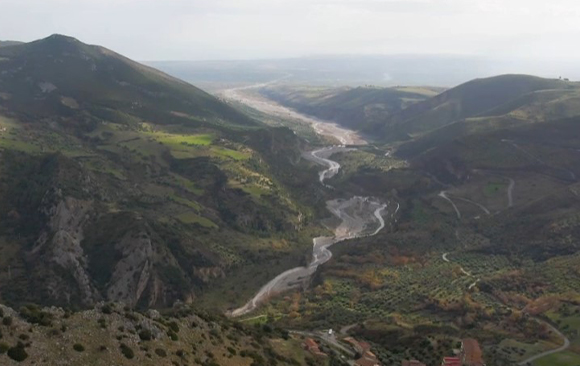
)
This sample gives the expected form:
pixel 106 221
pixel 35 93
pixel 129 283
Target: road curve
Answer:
pixel 482 207
pixel 529 360
pixel 564 347
pixel 510 192
pixel 443 194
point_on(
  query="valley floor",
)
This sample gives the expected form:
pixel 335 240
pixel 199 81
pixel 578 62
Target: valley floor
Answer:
pixel 430 279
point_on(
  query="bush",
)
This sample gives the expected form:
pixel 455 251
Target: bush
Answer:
pixel 173 335
pixel 3 348
pixel 79 347
pixel 107 309
pixel 160 352
pixel 35 315
pixel 7 321
pixel 173 326
pixel 127 351
pixel 145 335
pixel 17 353
pixel 131 316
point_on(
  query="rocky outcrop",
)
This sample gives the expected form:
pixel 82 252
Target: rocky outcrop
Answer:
pixel 59 245
pixel 133 273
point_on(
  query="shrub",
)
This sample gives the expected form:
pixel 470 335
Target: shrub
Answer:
pixel 17 353
pixel 173 326
pixel 160 352
pixel 3 348
pixel 145 335
pixel 7 321
pixel 127 351
pixel 173 335
pixel 79 347
pixel 107 309
pixel 131 316
pixel 35 315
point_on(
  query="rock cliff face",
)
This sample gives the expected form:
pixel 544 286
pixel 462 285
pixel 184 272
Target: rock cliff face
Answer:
pixel 134 272
pixel 135 261
pixel 59 245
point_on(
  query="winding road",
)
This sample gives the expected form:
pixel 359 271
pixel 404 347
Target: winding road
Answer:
pixel 530 360
pixel 564 347
pixel 443 194
pixel 359 216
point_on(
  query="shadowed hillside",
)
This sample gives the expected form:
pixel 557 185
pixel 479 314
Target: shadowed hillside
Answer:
pixel 122 183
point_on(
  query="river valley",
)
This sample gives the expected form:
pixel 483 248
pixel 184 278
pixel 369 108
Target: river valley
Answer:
pixel 356 216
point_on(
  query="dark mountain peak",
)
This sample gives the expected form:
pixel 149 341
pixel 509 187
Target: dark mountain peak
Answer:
pixel 96 77
pixel 58 44
pixel 59 38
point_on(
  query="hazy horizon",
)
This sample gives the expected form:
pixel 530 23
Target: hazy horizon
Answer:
pixel 271 29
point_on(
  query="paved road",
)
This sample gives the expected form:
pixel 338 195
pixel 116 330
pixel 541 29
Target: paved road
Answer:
pixel 482 207
pixel 564 347
pixel 443 194
pixel 510 192
pixel 530 360
pixel 472 285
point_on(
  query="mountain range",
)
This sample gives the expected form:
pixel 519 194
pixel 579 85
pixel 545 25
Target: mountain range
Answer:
pixel 136 209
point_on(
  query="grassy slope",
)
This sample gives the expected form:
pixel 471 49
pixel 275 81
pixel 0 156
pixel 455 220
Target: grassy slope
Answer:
pixel 359 108
pixel 177 337
pixel 199 177
pixel 471 99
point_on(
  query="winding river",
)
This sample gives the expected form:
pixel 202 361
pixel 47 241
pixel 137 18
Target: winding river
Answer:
pixel 357 216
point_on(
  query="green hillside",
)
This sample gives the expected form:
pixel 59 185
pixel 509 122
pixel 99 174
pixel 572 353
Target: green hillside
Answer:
pixel 358 108
pixel 113 334
pixel 38 76
pixel 118 182
pixel 9 43
pixel 471 99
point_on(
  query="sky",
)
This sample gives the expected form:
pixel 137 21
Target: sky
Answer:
pixel 150 30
